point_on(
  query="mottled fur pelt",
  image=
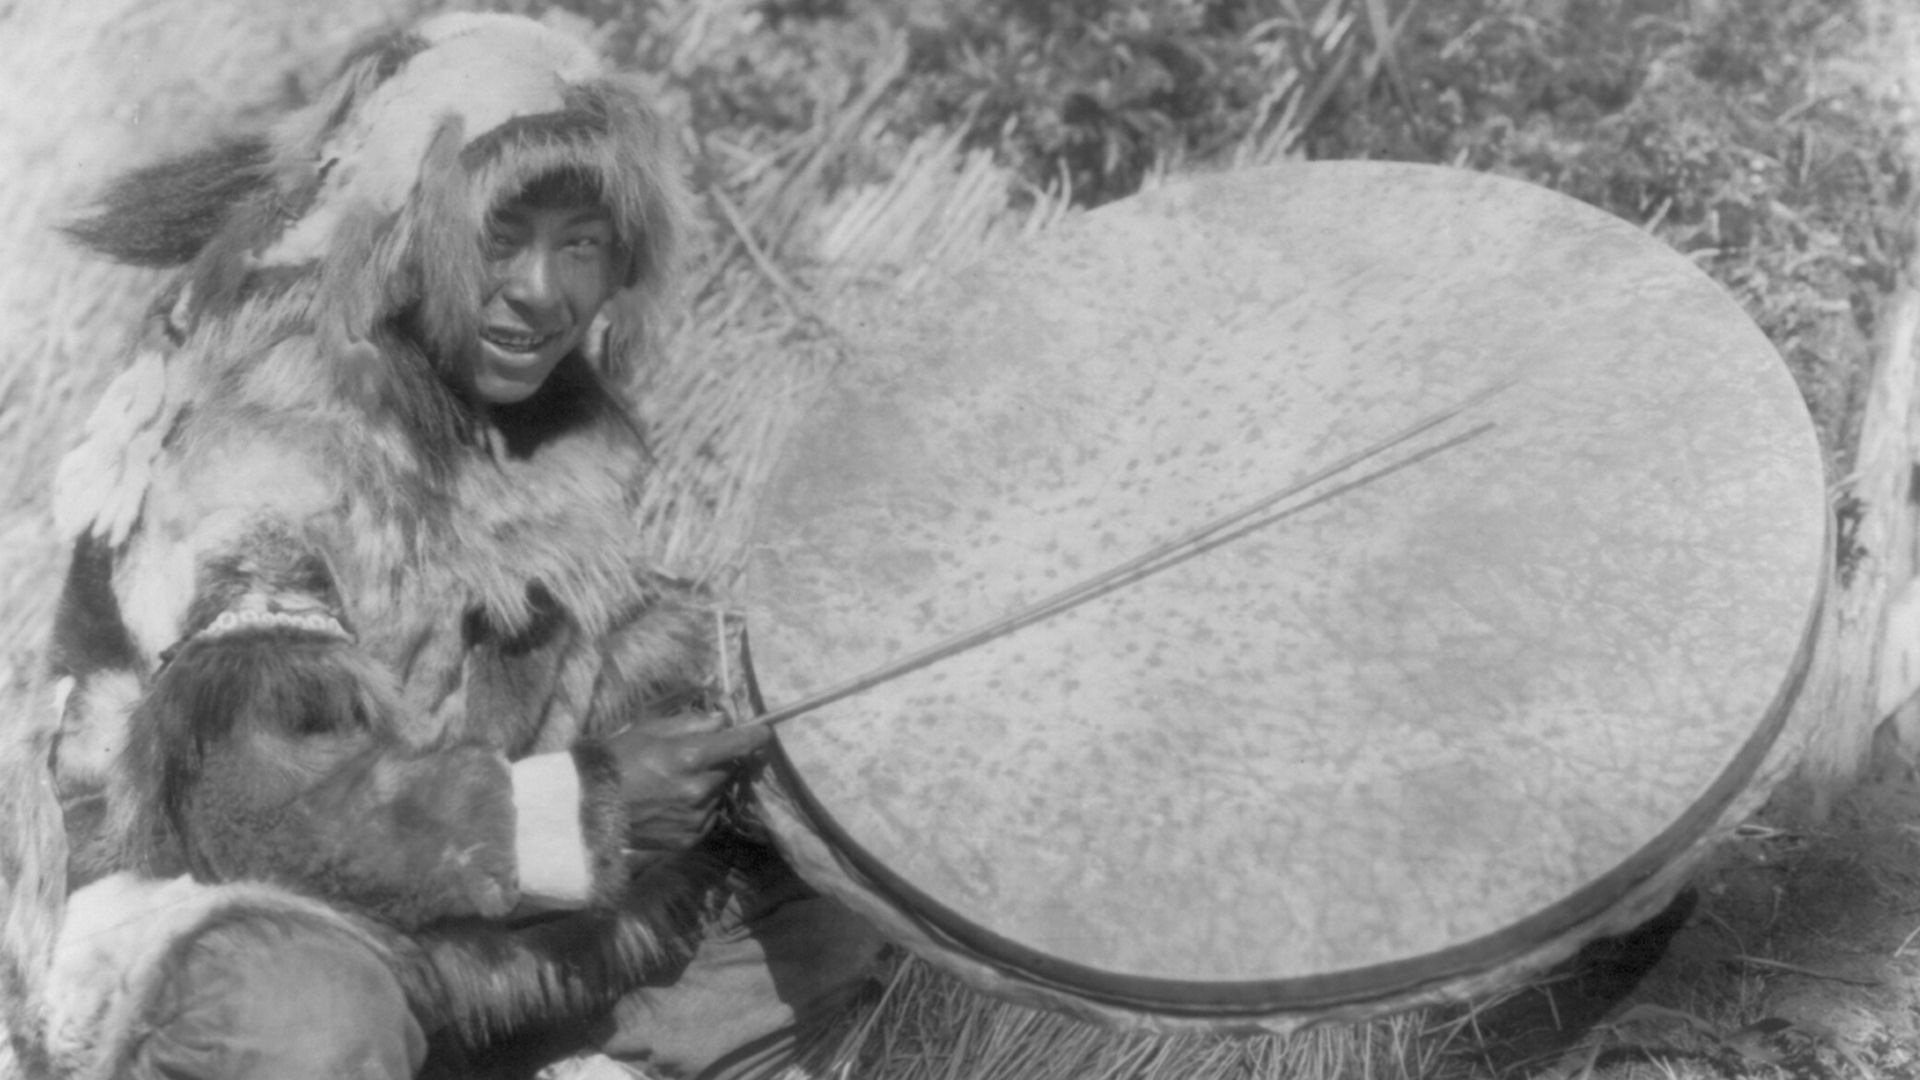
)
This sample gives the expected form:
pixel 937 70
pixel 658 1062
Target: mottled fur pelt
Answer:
pixel 336 815
pixel 181 204
pixel 370 204
pixel 302 445
pixel 108 965
pixel 486 988
pixel 124 936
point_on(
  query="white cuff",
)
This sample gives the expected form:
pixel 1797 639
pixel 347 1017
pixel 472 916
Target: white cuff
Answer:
pixel 548 838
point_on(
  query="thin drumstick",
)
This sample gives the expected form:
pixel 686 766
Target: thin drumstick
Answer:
pixel 1172 555
pixel 1161 557
pixel 1152 561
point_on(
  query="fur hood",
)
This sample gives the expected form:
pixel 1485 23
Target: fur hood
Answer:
pixel 367 209
pixel 328 268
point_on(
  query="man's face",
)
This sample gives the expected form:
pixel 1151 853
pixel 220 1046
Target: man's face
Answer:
pixel 552 267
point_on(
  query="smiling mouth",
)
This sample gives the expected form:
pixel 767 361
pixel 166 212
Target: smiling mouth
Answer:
pixel 515 341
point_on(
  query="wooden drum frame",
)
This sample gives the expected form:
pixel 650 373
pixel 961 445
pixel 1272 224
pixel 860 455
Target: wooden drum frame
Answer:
pixel 1520 539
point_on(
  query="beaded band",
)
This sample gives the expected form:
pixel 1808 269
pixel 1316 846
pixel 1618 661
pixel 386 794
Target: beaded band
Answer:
pixel 233 622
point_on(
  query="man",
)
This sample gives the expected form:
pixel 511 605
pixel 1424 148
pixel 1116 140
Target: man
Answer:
pixel 382 751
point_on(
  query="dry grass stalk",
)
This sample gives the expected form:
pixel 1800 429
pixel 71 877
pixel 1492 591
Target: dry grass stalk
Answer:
pixel 740 371
pixel 929 1027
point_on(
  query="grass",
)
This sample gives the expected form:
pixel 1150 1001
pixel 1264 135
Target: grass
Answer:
pixel 848 149
pixel 926 1025
pixel 1727 134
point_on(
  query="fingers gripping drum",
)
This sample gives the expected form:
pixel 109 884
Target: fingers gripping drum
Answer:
pixel 674 774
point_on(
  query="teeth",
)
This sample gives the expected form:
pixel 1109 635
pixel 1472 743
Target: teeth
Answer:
pixel 516 342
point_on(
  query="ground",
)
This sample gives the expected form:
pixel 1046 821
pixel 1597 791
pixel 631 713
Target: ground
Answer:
pixel 1771 124
pixel 1797 960
pixel 1770 143
pixel 1762 137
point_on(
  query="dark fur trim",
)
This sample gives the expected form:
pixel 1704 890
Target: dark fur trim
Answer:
pixel 661 661
pixel 608 139
pixel 391 376
pixel 412 837
pixel 603 820
pixel 88 632
pixel 574 397
pixel 608 134
pixel 278 684
pixel 271 562
pixel 489 983
pixel 272 760
pixel 223 276
pixel 443 261
pixel 164 214
pixel 512 675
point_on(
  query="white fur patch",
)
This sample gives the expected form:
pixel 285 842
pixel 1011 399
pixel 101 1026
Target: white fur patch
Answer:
pixel 112 949
pixel 482 69
pixel 101 482
pixel 154 583
pixel 62 690
pixel 548 839
pixel 205 502
pixel 92 737
pixel 110 925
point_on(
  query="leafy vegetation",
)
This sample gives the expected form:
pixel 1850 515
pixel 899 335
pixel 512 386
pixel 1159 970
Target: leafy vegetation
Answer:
pixel 1737 132
pixel 1094 96
pixel 1716 133
pixel 1707 122
pixel 1720 125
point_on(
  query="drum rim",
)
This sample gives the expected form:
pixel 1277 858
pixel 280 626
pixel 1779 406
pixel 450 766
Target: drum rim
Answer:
pixel 1227 1001
pixel 1325 990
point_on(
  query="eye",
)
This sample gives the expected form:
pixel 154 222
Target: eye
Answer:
pixel 590 242
pixel 504 237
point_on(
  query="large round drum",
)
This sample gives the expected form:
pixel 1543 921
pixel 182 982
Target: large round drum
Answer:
pixel 1431 719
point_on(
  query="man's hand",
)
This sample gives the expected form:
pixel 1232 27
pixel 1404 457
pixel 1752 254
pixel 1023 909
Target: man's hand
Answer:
pixel 672 772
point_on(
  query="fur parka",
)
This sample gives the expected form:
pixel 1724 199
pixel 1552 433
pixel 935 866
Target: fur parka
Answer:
pixel 322 610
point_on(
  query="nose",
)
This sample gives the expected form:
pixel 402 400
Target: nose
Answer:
pixel 528 279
